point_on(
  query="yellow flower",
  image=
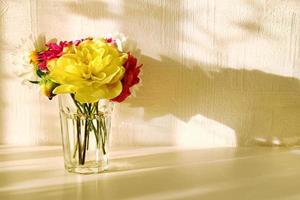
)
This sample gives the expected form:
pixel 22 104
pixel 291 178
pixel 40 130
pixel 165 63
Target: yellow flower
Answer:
pixel 92 71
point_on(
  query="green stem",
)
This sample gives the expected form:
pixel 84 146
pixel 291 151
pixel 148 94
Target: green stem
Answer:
pixel 75 149
pixel 104 127
pixel 100 128
pixel 89 126
pixel 76 103
pixel 85 140
pixel 88 110
pixel 88 139
pixel 78 145
pixel 78 139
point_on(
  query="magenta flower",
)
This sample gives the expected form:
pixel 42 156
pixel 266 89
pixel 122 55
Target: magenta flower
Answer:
pixel 53 51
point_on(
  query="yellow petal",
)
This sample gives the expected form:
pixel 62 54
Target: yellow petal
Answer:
pixel 99 77
pixel 111 72
pixel 118 76
pixel 51 64
pixel 107 60
pixel 114 90
pixel 89 95
pixel 63 89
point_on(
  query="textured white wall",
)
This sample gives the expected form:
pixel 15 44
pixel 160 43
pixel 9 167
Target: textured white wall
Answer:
pixel 216 72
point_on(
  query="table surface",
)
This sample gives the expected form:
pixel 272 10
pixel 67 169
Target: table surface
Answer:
pixel 154 173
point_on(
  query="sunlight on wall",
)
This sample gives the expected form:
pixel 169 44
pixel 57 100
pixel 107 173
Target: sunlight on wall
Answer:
pixel 201 132
pixel 262 35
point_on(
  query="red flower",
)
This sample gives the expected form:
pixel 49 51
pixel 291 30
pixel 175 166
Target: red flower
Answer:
pixel 130 78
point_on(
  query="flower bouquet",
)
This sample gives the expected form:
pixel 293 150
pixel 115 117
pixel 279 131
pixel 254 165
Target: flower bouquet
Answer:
pixel 88 75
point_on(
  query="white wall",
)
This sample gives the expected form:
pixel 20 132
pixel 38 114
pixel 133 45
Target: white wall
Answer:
pixel 216 72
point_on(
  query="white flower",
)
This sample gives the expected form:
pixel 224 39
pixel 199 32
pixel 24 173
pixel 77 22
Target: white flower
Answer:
pixel 126 45
pixel 21 57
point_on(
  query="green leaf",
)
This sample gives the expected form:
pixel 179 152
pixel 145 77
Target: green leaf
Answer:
pixel 34 82
pixel 40 73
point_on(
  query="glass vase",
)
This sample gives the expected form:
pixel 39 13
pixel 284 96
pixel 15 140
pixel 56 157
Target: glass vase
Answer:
pixel 85 129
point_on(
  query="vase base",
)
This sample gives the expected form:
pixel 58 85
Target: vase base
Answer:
pixel 87 168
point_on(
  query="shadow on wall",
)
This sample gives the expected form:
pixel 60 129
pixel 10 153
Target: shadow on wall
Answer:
pixel 253 103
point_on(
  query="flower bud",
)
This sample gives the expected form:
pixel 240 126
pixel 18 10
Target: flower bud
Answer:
pixel 46 87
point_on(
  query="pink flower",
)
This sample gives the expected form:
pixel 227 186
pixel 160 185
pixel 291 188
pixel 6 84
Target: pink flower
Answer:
pixel 130 78
pixel 53 51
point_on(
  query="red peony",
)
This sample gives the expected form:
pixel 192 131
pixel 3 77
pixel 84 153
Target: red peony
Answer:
pixel 130 77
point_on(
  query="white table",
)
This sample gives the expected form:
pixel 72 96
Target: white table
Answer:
pixel 36 173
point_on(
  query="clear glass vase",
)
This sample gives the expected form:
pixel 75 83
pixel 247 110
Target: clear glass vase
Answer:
pixel 85 131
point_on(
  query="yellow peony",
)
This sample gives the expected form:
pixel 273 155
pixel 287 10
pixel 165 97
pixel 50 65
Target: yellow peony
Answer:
pixel 92 71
